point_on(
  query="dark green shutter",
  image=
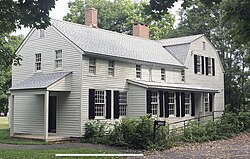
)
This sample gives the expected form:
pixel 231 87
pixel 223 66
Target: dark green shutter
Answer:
pixel 182 104
pixel 166 104
pixel 108 104
pixel 177 104
pixel 161 103
pixel 116 104
pixel 206 62
pixel 91 104
pixel 210 102
pixel 149 94
pixel 195 64
pixel 202 65
pixel 213 66
pixel 192 104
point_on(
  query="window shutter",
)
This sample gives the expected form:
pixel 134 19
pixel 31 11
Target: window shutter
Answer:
pixel 202 65
pixel 161 103
pixel 166 104
pixel 116 104
pixel 210 102
pixel 177 104
pixel 195 64
pixel 206 61
pixel 192 104
pixel 91 104
pixel 213 66
pixel 108 104
pixel 182 104
pixel 149 110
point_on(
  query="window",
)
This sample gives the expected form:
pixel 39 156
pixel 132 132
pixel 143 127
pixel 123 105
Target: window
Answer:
pixel 198 64
pixel 92 66
pixel 138 71
pixel 154 102
pixel 123 103
pixel 206 102
pixel 204 45
pixel 171 103
pixel 99 103
pixel 111 68
pixel 41 33
pixel 209 65
pixel 163 74
pixel 187 103
pixel 58 60
pixel 38 62
pixel 182 75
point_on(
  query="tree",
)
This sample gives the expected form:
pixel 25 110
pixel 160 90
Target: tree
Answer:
pixel 9 44
pixel 119 15
pixel 197 18
pixel 236 13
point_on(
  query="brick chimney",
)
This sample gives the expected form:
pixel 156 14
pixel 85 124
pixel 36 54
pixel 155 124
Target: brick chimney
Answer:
pixel 141 30
pixel 91 17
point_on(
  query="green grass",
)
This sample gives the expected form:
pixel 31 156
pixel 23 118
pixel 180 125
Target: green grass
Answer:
pixel 6 139
pixel 4 123
pixel 50 154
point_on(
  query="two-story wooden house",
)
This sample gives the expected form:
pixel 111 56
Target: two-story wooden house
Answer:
pixel 72 74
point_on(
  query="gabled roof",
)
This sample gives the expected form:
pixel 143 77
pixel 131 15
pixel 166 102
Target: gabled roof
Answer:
pixel 39 80
pixel 180 52
pixel 107 43
pixel 180 40
pixel 172 86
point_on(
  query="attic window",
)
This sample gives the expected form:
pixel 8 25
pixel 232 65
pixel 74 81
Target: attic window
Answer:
pixel 111 68
pixel 92 66
pixel 138 71
pixel 204 45
pixel 163 75
pixel 182 75
pixel 58 59
pixel 42 33
pixel 38 62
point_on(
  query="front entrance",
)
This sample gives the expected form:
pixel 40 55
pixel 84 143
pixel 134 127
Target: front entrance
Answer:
pixel 52 114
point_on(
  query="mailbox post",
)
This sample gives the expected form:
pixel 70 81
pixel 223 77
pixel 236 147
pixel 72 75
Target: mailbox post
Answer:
pixel 157 125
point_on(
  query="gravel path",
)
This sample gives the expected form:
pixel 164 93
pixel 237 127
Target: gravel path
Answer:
pixel 237 147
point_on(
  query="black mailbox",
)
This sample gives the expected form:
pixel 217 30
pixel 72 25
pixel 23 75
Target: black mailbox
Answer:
pixel 160 123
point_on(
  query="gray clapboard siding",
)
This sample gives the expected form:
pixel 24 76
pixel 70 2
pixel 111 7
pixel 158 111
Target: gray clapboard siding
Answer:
pixel 28 114
pixel 137 101
pixel 62 85
pixel 216 82
pixel 69 110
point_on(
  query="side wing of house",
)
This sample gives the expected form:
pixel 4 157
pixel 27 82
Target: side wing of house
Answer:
pixel 204 68
pixel 48 52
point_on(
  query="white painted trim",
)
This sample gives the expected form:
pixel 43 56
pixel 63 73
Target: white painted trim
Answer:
pixel 46 115
pixel 29 91
pixel 25 40
pixel 11 108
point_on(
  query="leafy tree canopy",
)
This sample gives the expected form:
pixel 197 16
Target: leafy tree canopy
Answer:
pixel 29 13
pixel 119 15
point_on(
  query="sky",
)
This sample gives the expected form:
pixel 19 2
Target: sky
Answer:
pixel 61 9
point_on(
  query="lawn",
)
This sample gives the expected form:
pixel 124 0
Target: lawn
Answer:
pixel 4 123
pixel 50 154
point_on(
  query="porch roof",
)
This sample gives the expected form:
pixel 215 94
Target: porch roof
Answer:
pixel 172 86
pixel 40 81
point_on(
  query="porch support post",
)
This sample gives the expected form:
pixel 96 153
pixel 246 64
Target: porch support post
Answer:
pixel 11 115
pixel 46 115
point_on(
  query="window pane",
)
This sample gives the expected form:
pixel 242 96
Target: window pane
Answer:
pixel 92 66
pixel 154 102
pixel 163 75
pixel 111 68
pixel 138 71
pixel 58 54
pixel 99 103
pixel 171 103
pixel 122 103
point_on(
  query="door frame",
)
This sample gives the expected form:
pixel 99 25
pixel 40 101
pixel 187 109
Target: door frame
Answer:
pixel 56 95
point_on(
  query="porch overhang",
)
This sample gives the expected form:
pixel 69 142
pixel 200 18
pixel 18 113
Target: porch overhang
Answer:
pixel 172 86
pixel 40 83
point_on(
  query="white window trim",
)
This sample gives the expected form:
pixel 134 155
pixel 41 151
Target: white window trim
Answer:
pixel 35 62
pixel 189 104
pixel 155 103
pixel 163 74
pixel 104 107
pixel 55 60
pixel 111 68
pixel 211 67
pixel 95 70
pixel 183 75
pixel 206 102
pixel 173 115
pixel 200 64
pixel 138 71
pixel 122 116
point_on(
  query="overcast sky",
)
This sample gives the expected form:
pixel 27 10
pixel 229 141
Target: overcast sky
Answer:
pixel 61 9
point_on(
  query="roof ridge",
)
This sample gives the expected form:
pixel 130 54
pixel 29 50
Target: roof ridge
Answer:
pixel 198 35
pixel 105 30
